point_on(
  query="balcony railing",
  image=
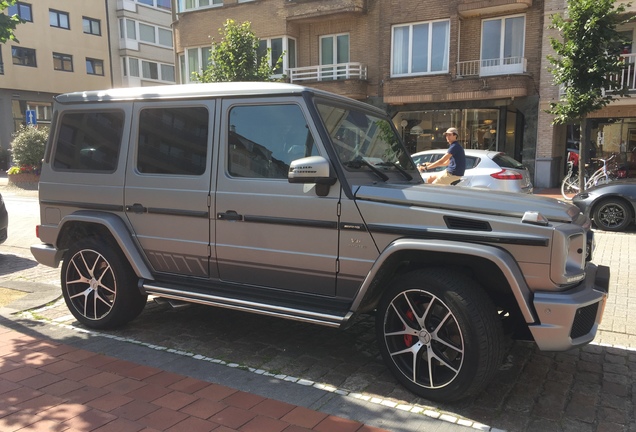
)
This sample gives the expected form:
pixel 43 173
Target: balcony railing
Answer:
pixel 338 71
pixel 490 67
pixel 628 76
pixel 1 68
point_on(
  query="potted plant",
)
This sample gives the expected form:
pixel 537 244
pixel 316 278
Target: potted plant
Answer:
pixel 27 151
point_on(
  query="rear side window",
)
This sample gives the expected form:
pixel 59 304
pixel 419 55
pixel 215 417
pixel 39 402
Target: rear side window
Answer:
pixel 505 161
pixel 173 141
pixel 472 162
pixel 89 141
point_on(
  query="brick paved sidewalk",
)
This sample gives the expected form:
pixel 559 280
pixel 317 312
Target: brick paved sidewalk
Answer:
pixel 50 386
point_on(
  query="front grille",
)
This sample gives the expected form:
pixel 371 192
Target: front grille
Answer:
pixel 584 320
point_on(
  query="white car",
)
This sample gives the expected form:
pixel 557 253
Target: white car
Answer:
pixel 484 169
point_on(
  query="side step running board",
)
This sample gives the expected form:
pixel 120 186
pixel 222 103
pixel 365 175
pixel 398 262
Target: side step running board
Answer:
pixel 247 306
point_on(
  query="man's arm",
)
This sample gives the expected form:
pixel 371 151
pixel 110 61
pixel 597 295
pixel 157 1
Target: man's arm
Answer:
pixel 443 161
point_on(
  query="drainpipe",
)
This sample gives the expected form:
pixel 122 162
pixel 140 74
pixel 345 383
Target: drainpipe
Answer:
pixel 110 52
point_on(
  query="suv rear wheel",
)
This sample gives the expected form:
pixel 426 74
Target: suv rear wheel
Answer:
pixel 99 286
pixel 439 334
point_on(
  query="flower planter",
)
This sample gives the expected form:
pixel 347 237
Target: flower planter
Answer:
pixel 24 180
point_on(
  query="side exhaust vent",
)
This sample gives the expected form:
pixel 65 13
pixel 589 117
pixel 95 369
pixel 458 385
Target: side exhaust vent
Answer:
pixel 466 224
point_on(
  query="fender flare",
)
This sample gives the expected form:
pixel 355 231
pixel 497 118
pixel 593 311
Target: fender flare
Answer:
pixel 501 258
pixel 116 227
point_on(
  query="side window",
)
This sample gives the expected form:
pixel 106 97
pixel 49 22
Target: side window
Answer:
pixel 264 139
pixel 89 141
pixel 472 162
pixel 173 141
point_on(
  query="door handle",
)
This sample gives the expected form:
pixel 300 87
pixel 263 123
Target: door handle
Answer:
pixel 230 215
pixel 136 208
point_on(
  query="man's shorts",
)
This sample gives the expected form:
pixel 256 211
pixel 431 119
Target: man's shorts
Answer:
pixel 445 178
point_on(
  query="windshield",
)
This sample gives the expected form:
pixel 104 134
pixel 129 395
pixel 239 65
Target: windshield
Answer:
pixel 364 141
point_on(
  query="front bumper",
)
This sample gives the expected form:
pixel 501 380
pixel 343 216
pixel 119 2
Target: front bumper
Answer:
pixel 571 318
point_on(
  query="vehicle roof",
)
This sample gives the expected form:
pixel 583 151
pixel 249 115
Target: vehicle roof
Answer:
pixel 469 152
pixel 197 91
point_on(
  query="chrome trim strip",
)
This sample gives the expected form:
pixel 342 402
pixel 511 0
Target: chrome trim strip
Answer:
pixel 83 205
pixel 471 236
pixel 242 305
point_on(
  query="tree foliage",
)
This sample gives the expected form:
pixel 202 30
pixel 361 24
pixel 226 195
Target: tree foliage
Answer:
pixel 235 57
pixel 27 147
pixel 587 60
pixel 8 23
pixel 587 65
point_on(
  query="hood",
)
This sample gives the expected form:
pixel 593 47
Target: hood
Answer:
pixel 470 200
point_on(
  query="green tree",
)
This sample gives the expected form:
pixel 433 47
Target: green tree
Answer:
pixel 8 23
pixel 235 58
pixel 587 63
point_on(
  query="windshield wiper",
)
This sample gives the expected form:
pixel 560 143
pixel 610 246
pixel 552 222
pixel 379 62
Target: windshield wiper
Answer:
pixel 359 163
pixel 397 167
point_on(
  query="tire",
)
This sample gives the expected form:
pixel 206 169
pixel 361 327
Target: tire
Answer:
pixel 439 334
pixel 570 187
pixel 612 214
pixel 99 286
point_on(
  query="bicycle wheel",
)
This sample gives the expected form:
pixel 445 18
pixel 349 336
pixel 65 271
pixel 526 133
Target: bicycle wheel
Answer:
pixel 570 187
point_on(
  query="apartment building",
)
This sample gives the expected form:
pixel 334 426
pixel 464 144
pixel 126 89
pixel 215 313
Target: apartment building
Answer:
pixel 141 42
pixel 611 129
pixel 79 45
pixel 63 47
pixel 471 64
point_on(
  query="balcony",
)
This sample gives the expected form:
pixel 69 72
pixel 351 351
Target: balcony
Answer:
pixel 491 67
pixel 1 68
pixel 473 8
pixel 315 10
pixel 340 71
pixel 628 76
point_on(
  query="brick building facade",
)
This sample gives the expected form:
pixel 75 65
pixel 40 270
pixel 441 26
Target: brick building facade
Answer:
pixel 474 65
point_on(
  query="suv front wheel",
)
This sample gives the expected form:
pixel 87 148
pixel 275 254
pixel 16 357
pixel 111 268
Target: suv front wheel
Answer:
pixel 439 334
pixel 99 286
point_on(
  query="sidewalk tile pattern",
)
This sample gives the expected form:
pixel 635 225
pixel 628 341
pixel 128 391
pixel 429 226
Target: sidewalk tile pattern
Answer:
pixel 49 386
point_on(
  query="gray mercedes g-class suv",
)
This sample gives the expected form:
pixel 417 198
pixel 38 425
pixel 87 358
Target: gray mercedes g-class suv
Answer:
pixel 296 203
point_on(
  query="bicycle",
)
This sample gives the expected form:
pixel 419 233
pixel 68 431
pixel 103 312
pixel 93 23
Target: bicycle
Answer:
pixel 604 174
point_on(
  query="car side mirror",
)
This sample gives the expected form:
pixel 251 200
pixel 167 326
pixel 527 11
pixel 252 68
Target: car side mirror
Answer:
pixel 312 169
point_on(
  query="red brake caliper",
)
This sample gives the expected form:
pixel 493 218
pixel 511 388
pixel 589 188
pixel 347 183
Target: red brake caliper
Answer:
pixel 409 340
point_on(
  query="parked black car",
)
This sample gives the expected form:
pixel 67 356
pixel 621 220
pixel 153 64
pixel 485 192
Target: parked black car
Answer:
pixel 4 221
pixel 612 206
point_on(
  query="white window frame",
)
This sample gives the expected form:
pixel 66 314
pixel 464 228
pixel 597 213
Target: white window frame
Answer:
pixel 285 47
pixel 409 46
pixel 186 75
pixel 502 65
pixel 329 73
pixel 123 32
pixel 140 69
pixel 154 5
pixel 197 4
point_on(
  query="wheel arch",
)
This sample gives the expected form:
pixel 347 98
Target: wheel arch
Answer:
pixel 83 224
pixel 494 268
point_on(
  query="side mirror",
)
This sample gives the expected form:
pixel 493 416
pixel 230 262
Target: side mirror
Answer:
pixel 312 169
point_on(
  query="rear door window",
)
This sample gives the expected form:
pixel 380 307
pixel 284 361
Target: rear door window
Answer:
pixel 89 141
pixel 173 140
